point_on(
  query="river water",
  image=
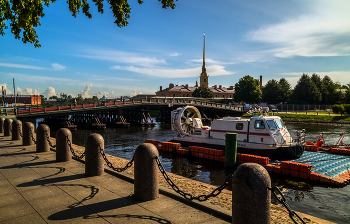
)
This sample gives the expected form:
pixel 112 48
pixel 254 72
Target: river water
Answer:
pixel 309 197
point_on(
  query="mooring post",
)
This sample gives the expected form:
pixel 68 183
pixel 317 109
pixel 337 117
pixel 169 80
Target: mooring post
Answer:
pixel 146 181
pixel 93 158
pixel 28 132
pixel 251 198
pixel 230 149
pixel 2 120
pixel 7 127
pixel 42 144
pixel 16 130
pixel 63 153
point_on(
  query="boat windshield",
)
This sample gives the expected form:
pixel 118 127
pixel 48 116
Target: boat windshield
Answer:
pixel 271 124
pixel 279 123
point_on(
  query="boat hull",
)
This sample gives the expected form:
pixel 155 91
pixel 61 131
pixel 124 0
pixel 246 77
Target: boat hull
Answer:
pixel 273 152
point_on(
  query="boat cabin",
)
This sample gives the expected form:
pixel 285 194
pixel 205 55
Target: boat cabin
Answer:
pixel 257 129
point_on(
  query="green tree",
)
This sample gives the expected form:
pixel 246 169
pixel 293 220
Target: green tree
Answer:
pixel 306 90
pixel 329 94
pixel 286 90
pixel 319 84
pixel 25 15
pixel 43 99
pixel 271 92
pixel 80 98
pixel 203 92
pixel 53 97
pixel 94 98
pixel 347 96
pixel 247 90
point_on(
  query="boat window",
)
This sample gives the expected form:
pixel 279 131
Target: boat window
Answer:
pixel 279 123
pixel 259 124
pixel 239 126
pixel 271 124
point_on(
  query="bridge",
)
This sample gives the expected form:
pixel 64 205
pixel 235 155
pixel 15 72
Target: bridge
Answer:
pixel 124 112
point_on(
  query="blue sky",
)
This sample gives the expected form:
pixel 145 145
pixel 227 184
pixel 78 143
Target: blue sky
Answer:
pixel 271 38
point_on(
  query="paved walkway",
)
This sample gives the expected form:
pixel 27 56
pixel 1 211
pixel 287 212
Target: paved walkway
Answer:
pixel 36 189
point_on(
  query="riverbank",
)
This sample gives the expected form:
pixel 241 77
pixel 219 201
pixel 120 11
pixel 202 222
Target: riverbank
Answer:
pixel 302 117
pixel 278 213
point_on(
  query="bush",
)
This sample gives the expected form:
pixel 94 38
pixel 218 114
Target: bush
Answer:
pixel 347 108
pixel 338 108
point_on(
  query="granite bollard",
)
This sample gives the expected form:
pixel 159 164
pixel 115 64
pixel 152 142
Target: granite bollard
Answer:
pixel 42 145
pixel 17 130
pixel 63 153
pixel 2 120
pixel 146 178
pixel 251 198
pixel 28 133
pixel 8 127
pixel 93 159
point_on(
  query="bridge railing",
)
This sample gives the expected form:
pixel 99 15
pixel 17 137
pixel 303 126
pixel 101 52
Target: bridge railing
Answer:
pixel 170 101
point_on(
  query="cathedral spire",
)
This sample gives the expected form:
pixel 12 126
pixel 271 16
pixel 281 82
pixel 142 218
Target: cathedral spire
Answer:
pixel 204 50
pixel 204 75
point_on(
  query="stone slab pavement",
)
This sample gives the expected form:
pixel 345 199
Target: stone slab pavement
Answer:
pixel 34 188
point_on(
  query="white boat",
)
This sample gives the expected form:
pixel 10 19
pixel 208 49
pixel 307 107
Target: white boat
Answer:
pixel 257 135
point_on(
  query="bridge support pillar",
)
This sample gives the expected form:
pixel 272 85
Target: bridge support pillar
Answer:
pixel 251 198
pixel 42 133
pixel 146 178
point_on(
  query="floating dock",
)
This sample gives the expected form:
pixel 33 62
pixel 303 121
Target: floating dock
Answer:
pixel 321 167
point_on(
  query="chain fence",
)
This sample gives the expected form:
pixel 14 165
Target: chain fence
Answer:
pixel 280 198
pixel 188 196
pixel 48 140
pixel 20 131
pixel 32 136
pixel 110 165
pixel 72 150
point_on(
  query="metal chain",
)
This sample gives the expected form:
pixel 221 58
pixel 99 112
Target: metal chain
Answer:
pixel 19 131
pixel 72 150
pixel 31 135
pixel 109 164
pixel 279 196
pixel 48 140
pixel 188 196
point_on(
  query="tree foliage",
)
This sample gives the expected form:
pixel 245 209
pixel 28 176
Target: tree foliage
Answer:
pixel 306 90
pixel 271 92
pixel 203 92
pixel 24 15
pixel 286 90
pixel 247 90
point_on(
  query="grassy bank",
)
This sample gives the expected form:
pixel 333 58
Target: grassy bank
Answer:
pixel 314 118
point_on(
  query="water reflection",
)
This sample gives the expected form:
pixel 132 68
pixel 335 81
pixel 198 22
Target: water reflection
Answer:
pixel 305 196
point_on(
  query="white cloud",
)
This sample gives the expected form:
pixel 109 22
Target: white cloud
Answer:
pixel 85 92
pixel 123 57
pixel 41 79
pixel 175 54
pixel 134 93
pixel 50 91
pixel 27 91
pixel 110 95
pixel 58 66
pixel 215 70
pixel 4 87
pixel 21 66
pixel 324 31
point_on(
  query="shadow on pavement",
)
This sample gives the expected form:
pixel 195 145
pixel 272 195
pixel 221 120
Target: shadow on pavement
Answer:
pixel 104 206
